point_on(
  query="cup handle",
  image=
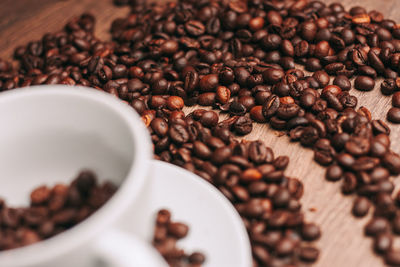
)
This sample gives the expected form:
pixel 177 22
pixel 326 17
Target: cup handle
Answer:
pixel 116 248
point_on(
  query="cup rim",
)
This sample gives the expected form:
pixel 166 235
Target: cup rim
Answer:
pixel 127 193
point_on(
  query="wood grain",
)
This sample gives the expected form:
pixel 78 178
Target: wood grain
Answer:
pixel 342 242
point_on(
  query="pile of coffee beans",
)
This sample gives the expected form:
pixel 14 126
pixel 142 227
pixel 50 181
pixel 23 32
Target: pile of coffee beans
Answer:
pixel 249 175
pixel 166 235
pixel 241 58
pixel 52 210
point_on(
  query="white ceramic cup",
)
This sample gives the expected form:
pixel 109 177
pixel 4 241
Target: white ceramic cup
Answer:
pixel 50 133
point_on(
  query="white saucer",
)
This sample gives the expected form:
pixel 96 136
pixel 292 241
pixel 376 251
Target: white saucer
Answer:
pixel 216 229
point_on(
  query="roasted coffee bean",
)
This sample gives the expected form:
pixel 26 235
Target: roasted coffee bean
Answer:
pixel 309 254
pixel 388 86
pixel 396 100
pixel 256 114
pixel 243 125
pixel 376 226
pixel 392 257
pixel 334 173
pixel 209 119
pixel 310 232
pixel 392 162
pixel 166 235
pixel 393 115
pixel 361 206
pixel 383 243
pixel 178 230
pixel 273 76
pixel 343 82
pixel 50 213
pixel 358 146
pixel 197 258
pixel 364 83
pixel 40 195
pixel 178 133
pixel 270 107
pixel 284 247
pixel 175 103
pixel 349 183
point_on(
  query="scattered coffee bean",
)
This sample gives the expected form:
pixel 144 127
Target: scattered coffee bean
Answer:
pixel 364 83
pixel 166 235
pixel 361 206
pixel 393 115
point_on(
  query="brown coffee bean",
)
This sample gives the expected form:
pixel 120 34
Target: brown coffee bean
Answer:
pixel 194 28
pixel 178 133
pixel 163 217
pixel 364 83
pixel 271 106
pixel 358 146
pixel 197 258
pixel 392 257
pixel 273 76
pixel 383 243
pixel 393 115
pixel 256 114
pixel 310 232
pixel 243 125
pixel 392 162
pixel 223 94
pixel 309 254
pixel 361 206
pixel 376 226
pixel 178 230
pixel 40 195
pixel 175 103
pixel 209 119
pixel 284 247
pixel 159 126
pixel 208 82
pixel 334 173
pixel 343 82
pixel 349 183
pixel 250 175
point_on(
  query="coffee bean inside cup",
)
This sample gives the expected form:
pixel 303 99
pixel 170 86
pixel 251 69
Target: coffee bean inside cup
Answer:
pixel 52 210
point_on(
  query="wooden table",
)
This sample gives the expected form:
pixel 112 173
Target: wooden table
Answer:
pixel 342 243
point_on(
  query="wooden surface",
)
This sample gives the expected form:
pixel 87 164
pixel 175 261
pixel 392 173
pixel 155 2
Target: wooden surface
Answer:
pixel 343 243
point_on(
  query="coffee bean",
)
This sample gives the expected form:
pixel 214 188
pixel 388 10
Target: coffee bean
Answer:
pixel 361 206
pixel 392 162
pixel 364 83
pixel 383 243
pixel 310 232
pixel 209 119
pixel 194 27
pixel 392 257
pixel 40 195
pixel 272 76
pixel 349 183
pixel 357 146
pixel 179 230
pixel 197 258
pixel 334 173
pixel 393 115
pixel 343 82
pixel 178 134
pixel 388 86
pixel 271 106
pixel 209 82
pixel 243 125
pixel 376 226
pixel 223 94
pixel 309 254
